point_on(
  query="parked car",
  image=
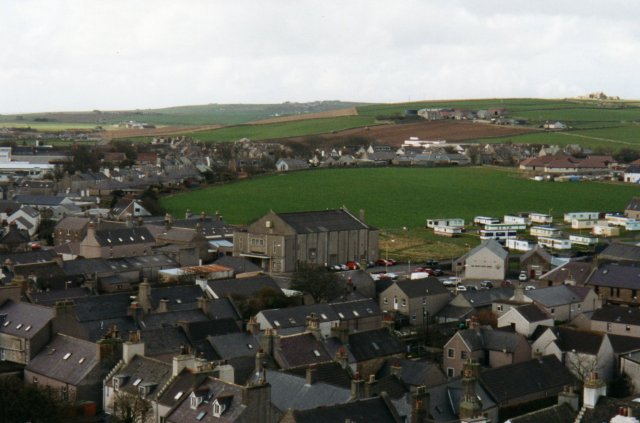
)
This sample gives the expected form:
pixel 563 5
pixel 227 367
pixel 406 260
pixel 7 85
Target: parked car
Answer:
pixel 529 288
pixel 428 270
pixel 471 288
pixel 461 288
pixel 352 265
pixel 431 263
pixel 449 283
pixel 523 276
pixel 388 275
pixel 386 262
pixel 486 284
pixel 438 272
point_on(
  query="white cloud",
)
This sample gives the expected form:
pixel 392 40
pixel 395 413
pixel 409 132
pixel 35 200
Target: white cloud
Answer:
pixel 79 55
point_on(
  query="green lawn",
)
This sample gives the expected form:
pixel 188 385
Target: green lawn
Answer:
pixel 394 198
pixel 284 129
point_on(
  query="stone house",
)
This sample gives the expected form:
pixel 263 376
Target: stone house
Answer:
pixel 535 262
pixel 24 330
pixel 113 243
pixel 419 300
pixel 616 283
pixel 487 261
pixel 493 348
pixel 280 242
pixel 617 320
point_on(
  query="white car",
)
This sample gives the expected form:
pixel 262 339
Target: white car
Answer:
pixel 461 288
pixel 529 288
pixel 523 277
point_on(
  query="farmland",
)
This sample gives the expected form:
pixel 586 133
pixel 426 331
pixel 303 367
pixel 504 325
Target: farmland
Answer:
pixel 394 198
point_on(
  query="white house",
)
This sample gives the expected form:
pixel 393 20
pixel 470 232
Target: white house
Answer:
pixel 632 174
pixel 26 218
pixel 287 165
pixel 487 261
pixel 524 319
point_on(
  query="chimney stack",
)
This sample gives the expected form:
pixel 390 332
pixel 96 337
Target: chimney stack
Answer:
pixel 357 387
pixel 311 374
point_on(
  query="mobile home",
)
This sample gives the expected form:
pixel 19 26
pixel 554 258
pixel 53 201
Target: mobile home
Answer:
pixel 518 220
pixel 540 218
pixel 583 224
pixel 606 230
pixel 548 231
pixel 569 217
pixel 484 220
pixel 505 227
pixel 432 223
pixel 501 235
pixel 583 240
pixel 554 243
pixel 449 231
pixel 518 245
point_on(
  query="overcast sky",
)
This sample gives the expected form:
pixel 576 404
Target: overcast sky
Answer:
pixel 109 54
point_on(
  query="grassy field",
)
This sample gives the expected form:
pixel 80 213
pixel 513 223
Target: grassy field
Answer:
pixel 394 198
pixel 285 129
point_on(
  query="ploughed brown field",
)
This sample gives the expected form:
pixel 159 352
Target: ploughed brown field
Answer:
pixel 351 111
pixel 449 130
pixel 156 132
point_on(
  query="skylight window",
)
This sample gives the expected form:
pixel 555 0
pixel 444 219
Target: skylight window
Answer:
pixel 292 320
pixel 375 346
pixel 316 353
pixel 201 415
pixel 341 315
pixel 131 238
pixel 66 356
pixel 19 325
pixel 81 360
pixel 275 322
pixel 355 313
pixel 250 346
pixel 119 239
pixel 324 316
pixel 7 323
pixel 369 311
pixel 142 237
pixel 178 395
pixel 109 240
pixel 27 329
pixel 137 382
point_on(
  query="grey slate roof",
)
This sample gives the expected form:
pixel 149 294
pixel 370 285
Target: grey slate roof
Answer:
pixel 577 271
pixel 49 298
pixel 322 221
pixel 38 256
pixel 244 287
pixel 349 310
pixel 419 287
pixel 490 339
pixel 485 297
pixel 52 363
pixel 537 250
pixel 24 320
pixel 297 316
pixel 617 314
pixel 616 276
pixel 373 344
pixel 445 400
pixel 124 236
pixel 238 264
pixel 163 341
pixel 330 372
pixel 39 200
pixel 618 251
pixel 607 408
pixel 415 373
pixel 180 297
pixel 492 245
pixel 301 350
pixel 581 341
pixel 623 344
pixel 514 381
pixel 289 391
pixel 232 345
pixel 377 409
pixel 532 313
pixel 558 295
pixel 170 318
pixel 148 370
pixel 562 413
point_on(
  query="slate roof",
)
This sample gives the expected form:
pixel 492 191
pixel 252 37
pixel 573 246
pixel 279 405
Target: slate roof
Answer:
pixel 537 250
pixel 148 370
pixel 9 206
pixel 238 264
pixel 322 221
pixel 289 391
pixel 38 256
pixel 180 297
pixel 623 344
pixel 485 297
pixel 445 400
pixel 232 345
pixel 419 287
pixel 617 314
pixel 24 320
pixel 415 373
pixel 102 307
pixel 582 341
pixel 297 316
pixel 51 361
pixel 377 409
pixel 514 381
pixel 616 275
pixel 350 310
pixel 490 339
pixel 39 200
pixel 330 372
pixel 124 236
pixel 607 408
pixel 634 204
pixel 373 344
pixel 168 319
pixel 558 295
pixel 244 287
pixel 532 313
pixel 492 245
pixel 301 350
pixel 212 389
pixel 86 267
pixel 185 383
pixel 49 298
pixel 72 223
pixel 562 413
pixel 222 308
pixel 577 271
pixel 163 341
pixel 618 251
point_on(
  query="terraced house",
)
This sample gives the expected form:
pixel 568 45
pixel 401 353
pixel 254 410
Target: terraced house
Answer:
pixel 279 242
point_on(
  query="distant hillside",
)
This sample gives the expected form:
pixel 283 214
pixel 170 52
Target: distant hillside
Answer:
pixel 210 114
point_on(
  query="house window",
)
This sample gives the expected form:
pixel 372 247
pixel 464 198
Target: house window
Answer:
pixel 413 317
pixel 499 308
pixel 451 353
pixel 404 302
pixel 385 301
pixel 579 306
pixel 449 372
pixel 312 253
pixel 608 327
pixel 553 310
pixel 424 300
pixel 627 328
pixel 463 355
pixel 35 380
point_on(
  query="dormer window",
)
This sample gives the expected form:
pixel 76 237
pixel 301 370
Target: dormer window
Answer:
pixel 218 408
pixel 195 401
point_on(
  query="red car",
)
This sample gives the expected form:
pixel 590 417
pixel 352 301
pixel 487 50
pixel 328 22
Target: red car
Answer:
pixel 386 262
pixel 353 265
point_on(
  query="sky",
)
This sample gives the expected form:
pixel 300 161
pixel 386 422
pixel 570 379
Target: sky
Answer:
pixel 67 55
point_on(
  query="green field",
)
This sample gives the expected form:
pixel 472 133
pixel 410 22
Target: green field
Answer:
pixel 284 129
pixel 394 198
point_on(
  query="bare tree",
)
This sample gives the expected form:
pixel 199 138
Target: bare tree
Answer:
pixel 131 409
